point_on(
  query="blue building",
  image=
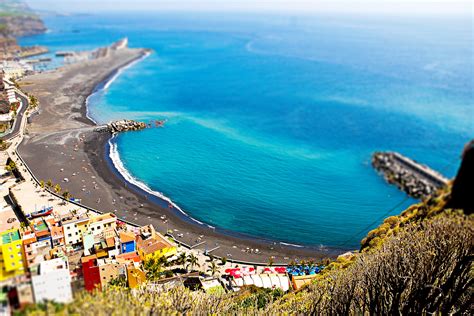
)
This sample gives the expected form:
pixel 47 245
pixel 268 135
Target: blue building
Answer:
pixel 127 242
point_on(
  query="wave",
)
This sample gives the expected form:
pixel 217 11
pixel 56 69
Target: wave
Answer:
pixel 120 167
pixel 121 70
pixel 291 245
pixel 103 86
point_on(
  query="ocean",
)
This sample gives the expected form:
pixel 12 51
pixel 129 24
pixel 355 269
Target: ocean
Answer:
pixel 272 119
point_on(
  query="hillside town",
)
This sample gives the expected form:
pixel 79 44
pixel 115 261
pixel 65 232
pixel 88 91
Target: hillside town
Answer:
pixel 52 247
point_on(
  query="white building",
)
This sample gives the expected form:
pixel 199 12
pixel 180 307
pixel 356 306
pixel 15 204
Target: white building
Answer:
pixel 14 69
pixel 98 224
pixel 53 283
pixel 74 227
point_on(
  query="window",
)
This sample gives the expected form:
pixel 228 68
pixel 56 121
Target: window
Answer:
pixel 69 235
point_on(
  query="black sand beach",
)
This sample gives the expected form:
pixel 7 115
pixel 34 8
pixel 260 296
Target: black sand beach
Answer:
pixel 60 143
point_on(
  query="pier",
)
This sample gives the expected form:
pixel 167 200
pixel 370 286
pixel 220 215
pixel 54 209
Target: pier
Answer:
pixel 120 126
pixel 417 180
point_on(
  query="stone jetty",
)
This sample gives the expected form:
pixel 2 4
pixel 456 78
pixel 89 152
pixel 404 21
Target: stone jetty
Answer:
pixel 121 126
pixel 417 180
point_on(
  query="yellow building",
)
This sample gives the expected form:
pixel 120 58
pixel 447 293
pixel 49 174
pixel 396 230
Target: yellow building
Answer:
pixel 102 223
pixel 74 227
pixel 135 275
pixel 11 254
pixel 152 244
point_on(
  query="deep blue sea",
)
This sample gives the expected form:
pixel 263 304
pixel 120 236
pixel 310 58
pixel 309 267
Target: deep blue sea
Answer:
pixel 272 119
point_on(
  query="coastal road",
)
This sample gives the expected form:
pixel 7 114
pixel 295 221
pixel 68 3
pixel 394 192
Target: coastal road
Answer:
pixel 19 118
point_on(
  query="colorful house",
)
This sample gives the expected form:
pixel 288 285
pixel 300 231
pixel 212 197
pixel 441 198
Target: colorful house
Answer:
pixel 109 270
pixel 41 230
pixel 91 273
pixel 99 272
pixel 57 236
pixel 135 275
pixel 74 227
pixel 127 242
pixel 11 254
pixel 100 223
pixel 151 244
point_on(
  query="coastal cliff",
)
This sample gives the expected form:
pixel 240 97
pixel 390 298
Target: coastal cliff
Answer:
pixel 17 19
pixel 23 25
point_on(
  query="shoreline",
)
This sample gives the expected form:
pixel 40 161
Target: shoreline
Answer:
pixel 105 84
pixel 116 163
pixel 135 204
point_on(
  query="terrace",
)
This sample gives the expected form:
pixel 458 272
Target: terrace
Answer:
pixel 10 236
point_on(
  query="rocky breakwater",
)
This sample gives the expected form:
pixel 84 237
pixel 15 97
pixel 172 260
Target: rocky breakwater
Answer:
pixel 415 179
pixel 121 126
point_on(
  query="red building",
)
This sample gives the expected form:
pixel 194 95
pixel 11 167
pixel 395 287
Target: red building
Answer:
pixel 91 273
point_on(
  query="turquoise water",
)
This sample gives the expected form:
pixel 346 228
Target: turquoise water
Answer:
pixel 272 119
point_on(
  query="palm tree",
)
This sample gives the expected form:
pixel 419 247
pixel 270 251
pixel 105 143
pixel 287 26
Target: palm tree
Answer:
pixel 181 258
pixel 33 101
pixel 213 268
pixel 57 188
pixel 152 268
pixel 163 261
pixel 49 183
pixel 223 261
pixel 23 225
pixel 192 261
pixel 10 166
pixel 66 195
pixel 42 184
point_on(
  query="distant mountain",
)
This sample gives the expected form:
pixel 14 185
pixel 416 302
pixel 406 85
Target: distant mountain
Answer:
pixel 18 19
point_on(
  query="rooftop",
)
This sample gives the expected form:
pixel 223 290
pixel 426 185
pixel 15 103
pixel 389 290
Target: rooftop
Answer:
pixel 127 236
pixel 56 232
pixel 152 245
pixel 10 236
pixel 103 217
pixel 8 219
pixel 74 219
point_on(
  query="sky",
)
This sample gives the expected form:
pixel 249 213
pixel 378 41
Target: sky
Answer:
pixel 437 7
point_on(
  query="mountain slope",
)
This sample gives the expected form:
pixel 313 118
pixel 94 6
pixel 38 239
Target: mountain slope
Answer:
pixel 17 19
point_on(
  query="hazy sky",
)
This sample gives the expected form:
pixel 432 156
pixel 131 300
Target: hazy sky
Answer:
pixel 368 6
